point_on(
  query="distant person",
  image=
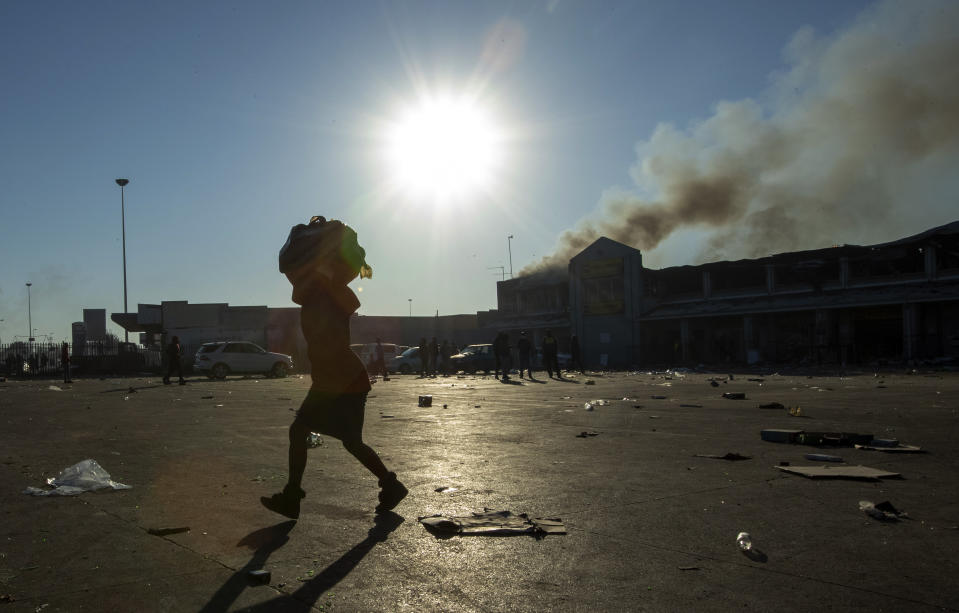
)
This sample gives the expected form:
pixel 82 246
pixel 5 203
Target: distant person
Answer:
pixel 434 355
pixel 501 350
pixel 65 362
pixel 525 349
pixel 550 355
pixel 424 357
pixel 173 353
pixel 34 365
pixel 320 260
pixel 575 355
pixel 379 361
pixel 445 353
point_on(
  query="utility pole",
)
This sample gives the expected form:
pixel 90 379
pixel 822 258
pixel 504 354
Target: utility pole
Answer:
pixel 29 315
pixel 123 225
pixel 509 246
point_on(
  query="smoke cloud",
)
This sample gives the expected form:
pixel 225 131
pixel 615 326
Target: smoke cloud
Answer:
pixel 855 140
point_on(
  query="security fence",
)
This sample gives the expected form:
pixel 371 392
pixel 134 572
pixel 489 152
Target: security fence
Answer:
pixel 44 359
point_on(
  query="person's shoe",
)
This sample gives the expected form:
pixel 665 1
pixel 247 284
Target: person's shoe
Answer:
pixel 286 503
pixel 391 493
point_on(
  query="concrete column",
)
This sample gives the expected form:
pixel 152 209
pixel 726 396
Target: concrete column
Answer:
pixel 910 330
pixel 707 285
pixel 684 339
pixel 770 279
pixel 929 251
pixel 749 340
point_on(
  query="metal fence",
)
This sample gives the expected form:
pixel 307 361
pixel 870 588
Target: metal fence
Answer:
pixel 44 359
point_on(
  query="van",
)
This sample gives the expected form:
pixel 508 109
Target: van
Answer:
pixel 367 352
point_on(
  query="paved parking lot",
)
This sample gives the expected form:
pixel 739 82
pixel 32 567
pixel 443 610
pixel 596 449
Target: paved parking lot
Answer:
pixel 650 526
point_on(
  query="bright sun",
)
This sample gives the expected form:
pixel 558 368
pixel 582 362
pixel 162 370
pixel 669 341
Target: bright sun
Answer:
pixel 444 149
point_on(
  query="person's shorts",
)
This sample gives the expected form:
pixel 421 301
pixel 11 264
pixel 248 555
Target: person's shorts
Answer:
pixel 336 415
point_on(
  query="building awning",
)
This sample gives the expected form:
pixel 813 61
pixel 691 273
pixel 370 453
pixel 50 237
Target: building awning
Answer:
pixel 128 321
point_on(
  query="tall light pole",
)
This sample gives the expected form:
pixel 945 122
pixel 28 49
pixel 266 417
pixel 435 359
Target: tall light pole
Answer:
pixel 411 306
pixel 123 225
pixel 1 321
pixel 509 246
pixel 29 314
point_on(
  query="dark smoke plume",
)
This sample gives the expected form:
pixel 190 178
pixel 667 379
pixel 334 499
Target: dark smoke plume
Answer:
pixel 856 141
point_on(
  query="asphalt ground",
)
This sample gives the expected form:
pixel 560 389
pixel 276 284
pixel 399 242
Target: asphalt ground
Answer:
pixel 650 526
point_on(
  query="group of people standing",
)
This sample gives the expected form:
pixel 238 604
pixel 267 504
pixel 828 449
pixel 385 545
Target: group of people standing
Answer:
pixel 435 357
pixel 503 354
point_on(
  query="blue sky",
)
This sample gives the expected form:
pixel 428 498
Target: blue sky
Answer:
pixel 234 121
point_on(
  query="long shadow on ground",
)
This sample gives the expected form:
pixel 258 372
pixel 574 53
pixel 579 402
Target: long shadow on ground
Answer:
pixel 307 595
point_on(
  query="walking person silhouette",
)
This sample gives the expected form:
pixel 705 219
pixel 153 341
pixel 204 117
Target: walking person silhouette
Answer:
pixel 320 259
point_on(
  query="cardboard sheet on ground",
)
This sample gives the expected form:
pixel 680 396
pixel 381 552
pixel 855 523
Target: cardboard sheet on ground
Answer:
pixel 85 476
pixel 838 472
pixel 493 523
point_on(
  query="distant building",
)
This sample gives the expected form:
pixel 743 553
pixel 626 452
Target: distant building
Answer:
pixel 95 321
pixel 845 304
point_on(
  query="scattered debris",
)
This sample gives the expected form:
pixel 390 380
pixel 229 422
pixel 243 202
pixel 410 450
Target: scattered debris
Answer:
pixel 387 416
pixel 735 395
pixel 884 511
pixel 85 476
pixel 259 577
pixel 55 388
pixel 206 397
pixel 132 390
pixel 587 433
pixel 776 435
pixel 445 488
pixel 732 457
pixel 822 457
pixel 839 472
pixel 492 523
pixel 691 406
pixel 590 382
pixel 756 380
pixel 896 449
pixel 658 397
pixel 426 401
pixel 314 440
pixel 588 406
pixel 689 568
pixel 637 406
pixel 795 411
pixel 166 531
pixel 772 405
pixel 714 383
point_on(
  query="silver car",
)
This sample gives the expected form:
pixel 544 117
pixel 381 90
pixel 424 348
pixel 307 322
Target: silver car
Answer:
pixel 217 360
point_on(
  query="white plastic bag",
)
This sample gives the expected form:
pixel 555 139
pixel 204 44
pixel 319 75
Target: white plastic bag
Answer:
pixel 85 476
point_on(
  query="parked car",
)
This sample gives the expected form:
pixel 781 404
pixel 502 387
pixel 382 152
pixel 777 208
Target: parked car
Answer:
pixel 219 359
pixel 367 351
pixel 406 362
pixel 474 358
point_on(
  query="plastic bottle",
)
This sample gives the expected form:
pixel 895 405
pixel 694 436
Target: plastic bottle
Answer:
pixel 744 541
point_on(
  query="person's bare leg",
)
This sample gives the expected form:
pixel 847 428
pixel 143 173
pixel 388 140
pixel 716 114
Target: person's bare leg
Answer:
pixel 391 490
pixel 287 502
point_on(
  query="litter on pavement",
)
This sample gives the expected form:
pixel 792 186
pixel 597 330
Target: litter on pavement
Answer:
pixel 839 472
pixel 85 476
pixel 492 523
pixel 732 457
pixel 884 511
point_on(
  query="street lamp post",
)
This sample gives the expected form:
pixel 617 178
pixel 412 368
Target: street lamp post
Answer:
pixel 509 246
pixel 123 225
pixel 411 306
pixel 29 315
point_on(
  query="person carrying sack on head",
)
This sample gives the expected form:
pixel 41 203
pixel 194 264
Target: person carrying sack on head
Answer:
pixel 320 259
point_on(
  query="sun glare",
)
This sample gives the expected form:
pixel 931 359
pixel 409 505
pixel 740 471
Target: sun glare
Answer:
pixel 444 149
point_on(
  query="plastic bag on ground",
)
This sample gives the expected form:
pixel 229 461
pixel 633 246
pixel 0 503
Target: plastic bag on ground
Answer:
pixel 85 476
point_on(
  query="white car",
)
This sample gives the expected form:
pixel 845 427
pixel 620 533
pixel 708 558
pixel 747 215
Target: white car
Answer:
pixel 217 360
